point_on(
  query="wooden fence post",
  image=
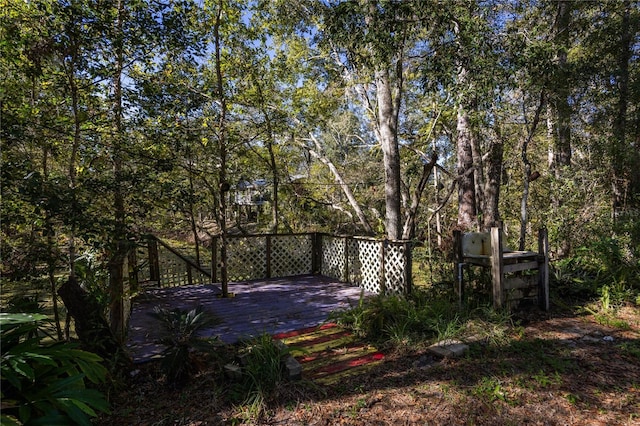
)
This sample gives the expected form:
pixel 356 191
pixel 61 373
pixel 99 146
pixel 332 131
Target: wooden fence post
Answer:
pixel 154 261
pixel 268 265
pixel 383 281
pixel 543 269
pixel 316 253
pixel 133 269
pixel 345 273
pixel 497 274
pixel 214 260
pixel 408 266
pixel 458 257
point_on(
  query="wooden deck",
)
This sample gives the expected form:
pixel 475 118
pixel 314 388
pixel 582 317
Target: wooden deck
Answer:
pixel 267 306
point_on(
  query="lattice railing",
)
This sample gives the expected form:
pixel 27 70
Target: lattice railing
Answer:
pixel 246 258
pixel 397 261
pixel 253 257
pixel 333 260
pixel 364 264
pixel 378 266
pixel 291 255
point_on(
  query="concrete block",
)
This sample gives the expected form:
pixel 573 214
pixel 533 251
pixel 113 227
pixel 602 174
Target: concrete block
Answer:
pixel 292 368
pixel 449 349
pixel 233 372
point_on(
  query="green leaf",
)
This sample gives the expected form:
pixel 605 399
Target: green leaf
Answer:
pixel 89 397
pixel 82 406
pixel 94 371
pixel 10 375
pixel 21 367
pixel 51 419
pixel 74 412
pixel 6 420
pixel 63 384
pixel 11 319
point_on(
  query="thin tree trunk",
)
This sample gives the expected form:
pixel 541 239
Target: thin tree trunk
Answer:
pixel 436 188
pixel 409 229
pixel 51 254
pixel 527 174
pixel 275 221
pixel 343 185
pixel 192 215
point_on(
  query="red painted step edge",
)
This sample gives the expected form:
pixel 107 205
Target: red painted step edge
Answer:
pixel 308 330
pixel 345 365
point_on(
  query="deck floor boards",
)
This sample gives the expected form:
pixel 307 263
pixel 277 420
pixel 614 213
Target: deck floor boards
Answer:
pixel 265 306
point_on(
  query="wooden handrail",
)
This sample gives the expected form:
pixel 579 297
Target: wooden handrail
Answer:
pixel 185 259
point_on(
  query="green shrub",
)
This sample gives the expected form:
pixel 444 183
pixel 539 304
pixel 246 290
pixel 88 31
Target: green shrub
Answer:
pixel 261 359
pixel 607 269
pixel 401 320
pixel 180 335
pixel 46 384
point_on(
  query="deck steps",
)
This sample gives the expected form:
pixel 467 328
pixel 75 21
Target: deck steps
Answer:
pixel 329 353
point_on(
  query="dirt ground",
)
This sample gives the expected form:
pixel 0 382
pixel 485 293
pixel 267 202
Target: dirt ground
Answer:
pixel 551 369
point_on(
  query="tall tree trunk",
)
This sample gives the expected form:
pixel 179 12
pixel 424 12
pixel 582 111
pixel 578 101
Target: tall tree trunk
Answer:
pixel 117 260
pixel 559 93
pixel 222 146
pixel 387 129
pixel 478 164
pixel 273 165
pixel 559 117
pixel 466 185
pixel 75 144
pixel 491 211
pixel 620 177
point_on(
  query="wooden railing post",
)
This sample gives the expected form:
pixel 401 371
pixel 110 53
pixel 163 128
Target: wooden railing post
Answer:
pixel 543 269
pixel 383 281
pixel 133 270
pixel 154 262
pixel 268 248
pixel 408 266
pixel 458 275
pixel 316 253
pixel 497 274
pixel 214 260
pixel 345 273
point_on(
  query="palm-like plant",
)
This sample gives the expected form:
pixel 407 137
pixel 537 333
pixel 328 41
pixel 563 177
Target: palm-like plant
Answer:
pixel 180 336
